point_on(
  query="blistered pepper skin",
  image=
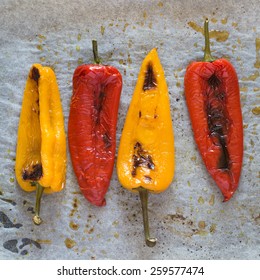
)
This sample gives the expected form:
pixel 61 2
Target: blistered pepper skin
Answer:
pixel 213 101
pixel 145 161
pixel 92 128
pixel 146 150
pixel 41 141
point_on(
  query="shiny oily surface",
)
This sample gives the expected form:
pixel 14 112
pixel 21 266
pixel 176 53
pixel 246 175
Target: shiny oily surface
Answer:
pixel 189 218
pixel 146 149
pixel 92 128
pixel 212 95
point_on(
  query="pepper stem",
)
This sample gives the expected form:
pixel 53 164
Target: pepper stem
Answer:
pixel 144 201
pixel 207 53
pixel 39 191
pixel 95 52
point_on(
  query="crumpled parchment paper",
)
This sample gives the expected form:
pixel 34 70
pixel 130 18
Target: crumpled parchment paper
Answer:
pixel 189 219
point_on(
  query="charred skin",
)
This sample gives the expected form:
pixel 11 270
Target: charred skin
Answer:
pixel 145 161
pixel 92 128
pixel 146 151
pixel 218 119
pixel 41 141
pixel 212 96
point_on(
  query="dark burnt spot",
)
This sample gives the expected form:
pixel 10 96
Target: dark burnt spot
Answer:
pixel 217 118
pixel 214 81
pixel 150 163
pixel 35 74
pixel 34 173
pixel 107 140
pixel 221 96
pixel 99 98
pixel 218 129
pixel 224 162
pixel 140 114
pixel 149 80
pixel 141 158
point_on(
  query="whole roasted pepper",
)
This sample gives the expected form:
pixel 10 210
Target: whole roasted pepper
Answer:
pixel 92 126
pixel 146 152
pixel 41 142
pixel 213 100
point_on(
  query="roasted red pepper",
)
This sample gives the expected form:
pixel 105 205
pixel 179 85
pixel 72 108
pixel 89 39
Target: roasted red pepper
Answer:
pixel 213 100
pixel 92 127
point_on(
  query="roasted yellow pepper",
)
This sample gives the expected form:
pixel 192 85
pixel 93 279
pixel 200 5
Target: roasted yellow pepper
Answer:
pixel 41 141
pixel 146 151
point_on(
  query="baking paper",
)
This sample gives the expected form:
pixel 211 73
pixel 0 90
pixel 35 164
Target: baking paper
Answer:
pixel 189 219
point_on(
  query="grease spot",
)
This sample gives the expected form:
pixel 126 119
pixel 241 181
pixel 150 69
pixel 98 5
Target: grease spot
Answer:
pixel 116 235
pixel 201 200
pixel 252 77
pixel 224 20
pixel 256 111
pixel 69 243
pixel 212 228
pixel 7 222
pixel 201 224
pixel 212 200
pixel 11 245
pixel 8 201
pixel 74 226
pixel 28 241
pixel 44 241
pixel 181 225
pixel 220 36
pixel 102 29
pixel 75 207
pixel 11 180
pixel 257 46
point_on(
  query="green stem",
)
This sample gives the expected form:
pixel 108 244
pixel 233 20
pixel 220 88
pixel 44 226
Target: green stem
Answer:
pixel 207 53
pixel 39 191
pixel 144 201
pixel 95 52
